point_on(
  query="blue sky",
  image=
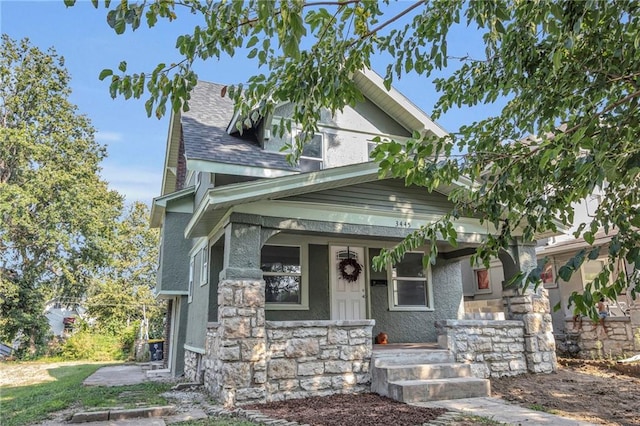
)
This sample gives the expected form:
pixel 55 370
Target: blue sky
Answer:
pixel 135 142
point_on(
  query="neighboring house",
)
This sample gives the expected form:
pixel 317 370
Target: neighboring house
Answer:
pixel 267 266
pixel 62 316
pixel 581 336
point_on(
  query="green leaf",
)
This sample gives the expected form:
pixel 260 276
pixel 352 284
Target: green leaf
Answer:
pixel 252 42
pixel 123 66
pixel 565 273
pixel 594 253
pixel 105 73
pixel 589 237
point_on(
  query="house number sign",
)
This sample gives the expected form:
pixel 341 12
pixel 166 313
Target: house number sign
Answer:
pixel 403 224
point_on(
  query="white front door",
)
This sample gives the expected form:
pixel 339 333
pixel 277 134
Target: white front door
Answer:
pixel 348 297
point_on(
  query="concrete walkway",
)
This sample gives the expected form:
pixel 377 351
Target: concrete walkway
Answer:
pixel 117 375
pixel 501 411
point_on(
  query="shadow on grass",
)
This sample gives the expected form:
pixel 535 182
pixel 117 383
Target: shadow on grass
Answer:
pixel 27 404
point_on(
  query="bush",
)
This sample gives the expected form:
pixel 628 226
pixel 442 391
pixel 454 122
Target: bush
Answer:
pixel 92 346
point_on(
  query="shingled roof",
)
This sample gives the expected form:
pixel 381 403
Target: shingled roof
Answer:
pixel 205 135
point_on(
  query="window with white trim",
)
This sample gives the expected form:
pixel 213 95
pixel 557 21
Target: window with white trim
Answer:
pixel 204 269
pixel 312 155
pixel 547 273
pixel 192 264
pixel 410 287
pixel 482 278
pixel 282 271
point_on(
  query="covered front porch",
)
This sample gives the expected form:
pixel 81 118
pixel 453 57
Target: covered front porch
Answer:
pixel 298 302
pixel 250 359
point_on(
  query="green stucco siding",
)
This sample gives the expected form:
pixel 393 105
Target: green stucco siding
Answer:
pixel 174 264
pixel 198 309
pixel 418 326
pixel 177 362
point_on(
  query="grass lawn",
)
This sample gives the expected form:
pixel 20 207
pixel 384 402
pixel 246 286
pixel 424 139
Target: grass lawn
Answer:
pixel 30 397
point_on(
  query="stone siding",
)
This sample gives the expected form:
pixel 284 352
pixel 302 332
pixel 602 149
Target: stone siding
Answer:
pixel 533 309
pixel 523 343
pixel 236 345
pixel 311 358
pixel 622 337
pixel 212 364
pixel 493 348
pixel 192 366
pixel 249 359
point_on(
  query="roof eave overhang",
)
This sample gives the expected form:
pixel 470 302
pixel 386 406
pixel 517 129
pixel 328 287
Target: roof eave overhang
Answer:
pixel 171 156
pixel 237 169
pixel 228 196
pixel 159 204
pixel 569 246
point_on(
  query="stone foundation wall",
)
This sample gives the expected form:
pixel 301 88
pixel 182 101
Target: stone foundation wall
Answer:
pixel 308 358
pixel 620 338
pixel 212 364
pixel 533 309
pixel 494 348
pixel 236 346
pixel 192 366
pixel 523 343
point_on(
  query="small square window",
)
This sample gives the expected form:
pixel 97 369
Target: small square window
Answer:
pixel 547 275
pixel 483 281
pixel 591 269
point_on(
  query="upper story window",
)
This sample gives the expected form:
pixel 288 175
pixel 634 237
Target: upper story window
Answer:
pixel 282 270
pixel 312 156
pixel 410 288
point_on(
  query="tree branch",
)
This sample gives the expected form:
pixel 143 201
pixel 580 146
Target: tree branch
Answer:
pixel 607 109
pixel 389 21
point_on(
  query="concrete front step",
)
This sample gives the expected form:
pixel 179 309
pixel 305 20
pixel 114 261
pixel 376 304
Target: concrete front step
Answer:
pixel 438 389
pixel 426 371
pixel 413 357
pixel 382 375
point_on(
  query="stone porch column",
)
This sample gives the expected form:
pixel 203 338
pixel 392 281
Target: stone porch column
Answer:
pixel 241 349
pixel 533 309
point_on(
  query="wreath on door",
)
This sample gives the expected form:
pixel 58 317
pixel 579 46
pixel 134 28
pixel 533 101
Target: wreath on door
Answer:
pixel 350 269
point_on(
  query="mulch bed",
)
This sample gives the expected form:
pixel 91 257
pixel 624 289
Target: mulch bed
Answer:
pixel 366 409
